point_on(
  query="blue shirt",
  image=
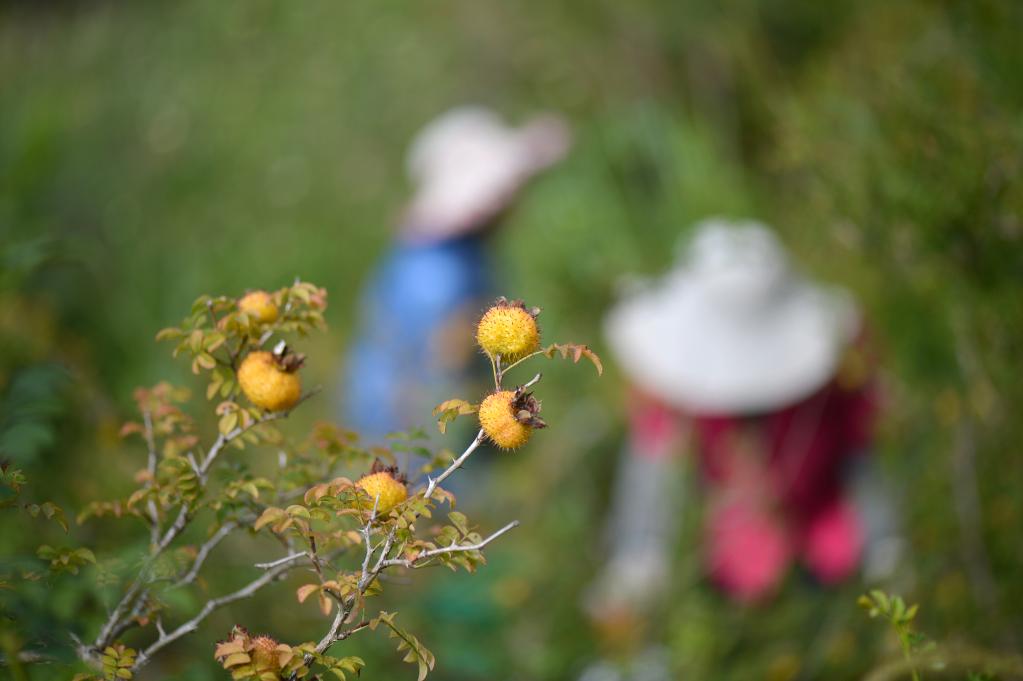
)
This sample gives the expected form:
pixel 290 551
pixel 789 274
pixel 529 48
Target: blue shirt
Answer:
pixel 415 339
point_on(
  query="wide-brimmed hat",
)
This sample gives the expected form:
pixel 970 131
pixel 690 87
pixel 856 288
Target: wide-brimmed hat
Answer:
pixel 732 328
pixel 468 165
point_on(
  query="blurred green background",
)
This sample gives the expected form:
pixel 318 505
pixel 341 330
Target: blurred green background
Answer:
pixel 154 151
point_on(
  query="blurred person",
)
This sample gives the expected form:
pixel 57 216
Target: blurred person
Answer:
pixel 766 378
pixel 413 345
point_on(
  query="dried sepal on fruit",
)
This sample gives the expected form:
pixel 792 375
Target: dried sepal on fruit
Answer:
pixel 509 330
pixel 385 485
pixel 508 417
pixel 270 379
pixel 260 306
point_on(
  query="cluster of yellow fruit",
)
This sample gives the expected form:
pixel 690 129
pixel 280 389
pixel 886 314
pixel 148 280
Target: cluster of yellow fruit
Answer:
pixel 270 381
pixel 507 332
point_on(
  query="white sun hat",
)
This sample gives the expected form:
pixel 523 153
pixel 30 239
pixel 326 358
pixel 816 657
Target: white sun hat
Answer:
pixel 732 329
pixel 468 165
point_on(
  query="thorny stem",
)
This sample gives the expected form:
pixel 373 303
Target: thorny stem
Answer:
pixel 213 604
pixel 518 362
pixel 432 483
pixel 204 552
pixel 533 381
pixel 226 438
pixel 495 366
pixel 454 548
pixel 286 559
pixel 499 371
pixel 382 551
pixel 276 569
pixel 154 517
pixel 134 597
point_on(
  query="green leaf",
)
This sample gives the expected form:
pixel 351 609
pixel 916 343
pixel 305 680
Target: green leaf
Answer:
pixel 415 651
pixel 881 599
pixel 169 333
pixel 459 521
pixel 298 511
pixel 270 515
pixel 56 514
pixel 449 410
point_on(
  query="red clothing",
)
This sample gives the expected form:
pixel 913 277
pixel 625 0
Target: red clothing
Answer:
pixel 774 483
pixel 802 448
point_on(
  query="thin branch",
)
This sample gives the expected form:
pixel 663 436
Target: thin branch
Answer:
pixel 281 561
pixel 365 532
pixel 204 552
pixel 454 548
pixel 455 465
pixel 154 516
pixel 388 543
pixel 533 381
pixel 344 606
pixel 193 463
pixel 315 557
pixel 496 369
pixel 514 364
pixel 368 575
pixel 226 438
pixel 113 622
pixel 348 632
pixel 332 636
pixel 116 621
pixel 213 604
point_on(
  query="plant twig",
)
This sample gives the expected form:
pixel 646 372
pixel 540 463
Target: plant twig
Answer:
pixel 226 438
pixel 116 623
pixel 204 552
pixel 213 604
pixel 454 548
pixel 154 516
pixel 514 364
pixel 280 561
pixel 455 465
pixel 368 575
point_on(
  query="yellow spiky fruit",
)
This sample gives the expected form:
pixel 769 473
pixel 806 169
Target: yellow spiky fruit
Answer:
pixel 268 382
pixel 508 417
pixel 508 330
pixel 259 305
pixel 383 484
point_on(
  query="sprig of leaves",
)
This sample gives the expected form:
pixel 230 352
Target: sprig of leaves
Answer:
pixel 576 352
pixel 415 652
pixel 894 610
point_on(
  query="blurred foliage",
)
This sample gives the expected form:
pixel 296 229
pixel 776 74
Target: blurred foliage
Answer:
pixel 150 151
